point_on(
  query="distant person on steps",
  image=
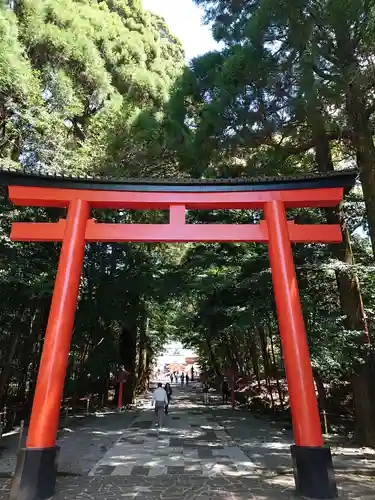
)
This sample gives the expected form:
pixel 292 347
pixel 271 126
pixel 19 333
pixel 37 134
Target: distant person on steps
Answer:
pixel 225 391
pixel 205 389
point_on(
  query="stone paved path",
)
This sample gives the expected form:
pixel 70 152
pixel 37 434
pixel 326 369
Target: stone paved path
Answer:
pixel 202 453
pixel 82 444
pixel 191 442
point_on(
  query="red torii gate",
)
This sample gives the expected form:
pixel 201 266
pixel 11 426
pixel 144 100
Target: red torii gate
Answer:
pixel 37 463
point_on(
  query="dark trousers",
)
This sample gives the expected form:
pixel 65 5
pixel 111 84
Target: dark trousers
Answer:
pixel 225 397
pixel 167 406
pixel 159 412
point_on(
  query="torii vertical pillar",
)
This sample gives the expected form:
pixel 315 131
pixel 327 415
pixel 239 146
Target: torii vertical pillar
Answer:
pixel 36 470
pixel 313 469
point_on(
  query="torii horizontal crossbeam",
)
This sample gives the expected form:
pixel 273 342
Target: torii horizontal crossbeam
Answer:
pixel 304 233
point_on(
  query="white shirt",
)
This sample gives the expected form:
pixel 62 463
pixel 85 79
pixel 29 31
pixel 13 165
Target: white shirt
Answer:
pixel 160 395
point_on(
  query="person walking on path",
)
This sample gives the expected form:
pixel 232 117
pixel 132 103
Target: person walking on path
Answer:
pixel 205 392
pixel 225 391
pixel 160 399
pixel 168 390
pixel 187 379
pixel 182 380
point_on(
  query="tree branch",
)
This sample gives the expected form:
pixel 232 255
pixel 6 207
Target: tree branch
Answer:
pixel 370 110
pixel 323 74
pixel 309 144
pixel 291 149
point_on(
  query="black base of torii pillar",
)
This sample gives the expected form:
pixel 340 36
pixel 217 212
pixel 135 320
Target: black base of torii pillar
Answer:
pixel 35 474
pixel 314 475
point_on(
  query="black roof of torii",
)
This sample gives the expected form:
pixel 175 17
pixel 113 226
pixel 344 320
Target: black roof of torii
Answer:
pixel 341 178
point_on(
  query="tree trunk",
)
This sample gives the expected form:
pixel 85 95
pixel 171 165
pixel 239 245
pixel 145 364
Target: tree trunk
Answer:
pixel 27 348
pixel 128 353
pixel 276 371
pixel 34 364
pixel 142 353
pixel 359 120
pixel 5 372
pixel 266 362
pixel 238 357
pixel 353 309
pixel 364 397
pixel 264 349
pixel 348 285
pixel 350 295
pixel 149 357
pixel 366 162
pixel 322 398
pixel 347 280
pixel 212 358
pixel 255 359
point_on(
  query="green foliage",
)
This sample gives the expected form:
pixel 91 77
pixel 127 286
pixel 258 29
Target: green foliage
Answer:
pixel 83 85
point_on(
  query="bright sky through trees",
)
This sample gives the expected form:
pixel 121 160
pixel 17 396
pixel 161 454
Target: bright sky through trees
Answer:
pixel 184 19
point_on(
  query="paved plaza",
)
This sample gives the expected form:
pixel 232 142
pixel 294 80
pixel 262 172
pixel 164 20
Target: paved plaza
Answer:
pixel 206 453
pixel 191 442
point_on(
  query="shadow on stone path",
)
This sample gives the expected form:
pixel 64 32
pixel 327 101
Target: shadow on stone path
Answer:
pixel 82 443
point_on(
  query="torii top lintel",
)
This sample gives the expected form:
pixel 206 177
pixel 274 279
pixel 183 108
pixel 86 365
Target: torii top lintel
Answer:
pixel 301 191
pixel 176 196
